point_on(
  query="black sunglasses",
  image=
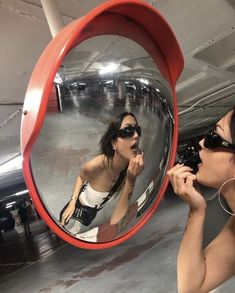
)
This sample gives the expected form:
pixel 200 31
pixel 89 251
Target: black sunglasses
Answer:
pixel 129 131
pixel 212 140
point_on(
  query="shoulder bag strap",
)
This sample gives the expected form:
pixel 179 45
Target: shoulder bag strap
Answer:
pixel 114 188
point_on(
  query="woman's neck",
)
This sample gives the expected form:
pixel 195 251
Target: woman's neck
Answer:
pixel 118 164
pixel 229 194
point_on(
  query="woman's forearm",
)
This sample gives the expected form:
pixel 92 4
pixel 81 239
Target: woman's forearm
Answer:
pixel 77 188
pixel 123 203
pixel 191 265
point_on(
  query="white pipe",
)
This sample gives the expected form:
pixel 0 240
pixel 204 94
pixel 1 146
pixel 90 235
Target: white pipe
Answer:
pixel 53 16
pixel 205 98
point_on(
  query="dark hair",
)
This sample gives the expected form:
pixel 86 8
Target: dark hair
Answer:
pixel 106 147
pixel 232 126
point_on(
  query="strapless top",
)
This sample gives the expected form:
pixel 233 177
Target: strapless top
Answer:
pixel 91 197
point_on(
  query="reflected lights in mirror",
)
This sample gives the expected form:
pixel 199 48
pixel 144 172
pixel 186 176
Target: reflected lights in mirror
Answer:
pixel 22 192
pixel 111 67
pixel 11 165
pixel 145 81
pixel 58 79
pixel 10 204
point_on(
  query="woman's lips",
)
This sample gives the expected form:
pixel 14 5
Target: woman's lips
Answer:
pixel 135 148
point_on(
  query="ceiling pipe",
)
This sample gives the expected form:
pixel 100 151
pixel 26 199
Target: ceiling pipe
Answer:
pixel 53 16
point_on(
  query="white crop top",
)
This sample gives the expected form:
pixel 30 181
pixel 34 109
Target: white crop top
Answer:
pixel 91 197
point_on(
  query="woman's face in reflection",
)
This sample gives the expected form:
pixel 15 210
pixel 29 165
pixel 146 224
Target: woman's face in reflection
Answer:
pixel 218 165
pixel 128 147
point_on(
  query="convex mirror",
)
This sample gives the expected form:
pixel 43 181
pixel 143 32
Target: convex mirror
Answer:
pixel 114 60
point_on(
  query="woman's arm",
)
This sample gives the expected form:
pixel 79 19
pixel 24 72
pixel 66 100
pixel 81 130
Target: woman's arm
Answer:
pixel 198 270
pixel 72 203
pixel 87 170
pixel 191 265
pixel 135 167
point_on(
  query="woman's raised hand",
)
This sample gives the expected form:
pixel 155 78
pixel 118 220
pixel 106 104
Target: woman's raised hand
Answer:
pixel 182 181
pixel 135 167
pixel 67 214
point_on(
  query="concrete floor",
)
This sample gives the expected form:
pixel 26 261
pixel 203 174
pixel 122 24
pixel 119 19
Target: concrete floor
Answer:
pixel 145 263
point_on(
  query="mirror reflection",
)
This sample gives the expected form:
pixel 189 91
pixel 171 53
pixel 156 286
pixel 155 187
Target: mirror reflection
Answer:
pixel 102 153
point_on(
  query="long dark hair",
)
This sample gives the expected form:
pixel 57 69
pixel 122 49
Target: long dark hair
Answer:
pixel 106 147
pixel 232 126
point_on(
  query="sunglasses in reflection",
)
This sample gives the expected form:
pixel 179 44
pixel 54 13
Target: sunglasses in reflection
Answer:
pixel 129 131
pixel 212 140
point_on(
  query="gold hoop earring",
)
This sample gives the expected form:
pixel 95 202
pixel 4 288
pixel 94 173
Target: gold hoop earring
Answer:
pixel 219 197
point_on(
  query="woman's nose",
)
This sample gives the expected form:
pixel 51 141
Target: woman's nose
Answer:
pixel 136 135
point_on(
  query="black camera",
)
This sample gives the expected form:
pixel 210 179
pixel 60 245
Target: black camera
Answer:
pixel 190 158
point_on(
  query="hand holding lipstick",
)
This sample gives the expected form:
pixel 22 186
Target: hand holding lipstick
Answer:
pixel 135 167
pixel 182 180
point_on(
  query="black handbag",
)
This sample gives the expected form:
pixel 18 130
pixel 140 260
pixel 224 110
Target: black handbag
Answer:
pixel 85 214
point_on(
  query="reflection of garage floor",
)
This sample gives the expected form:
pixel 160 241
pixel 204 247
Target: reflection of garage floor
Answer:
pixel 17 252
pixel 145 263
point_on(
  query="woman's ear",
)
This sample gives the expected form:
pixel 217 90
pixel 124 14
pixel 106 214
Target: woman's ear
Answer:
pixel 114 144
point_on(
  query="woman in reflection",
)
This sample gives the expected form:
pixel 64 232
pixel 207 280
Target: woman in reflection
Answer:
pixel 198 269
pixel 119 151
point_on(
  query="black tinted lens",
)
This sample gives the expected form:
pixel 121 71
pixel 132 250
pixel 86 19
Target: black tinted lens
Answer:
pixel 138 130
pixel 126 132
pixel 211 140
pixel 129 131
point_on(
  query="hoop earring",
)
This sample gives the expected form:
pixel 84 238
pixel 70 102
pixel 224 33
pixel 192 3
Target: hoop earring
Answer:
pixel 219 197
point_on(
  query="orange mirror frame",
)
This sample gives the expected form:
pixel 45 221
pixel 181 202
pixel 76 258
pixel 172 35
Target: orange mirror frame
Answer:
pixel 133 19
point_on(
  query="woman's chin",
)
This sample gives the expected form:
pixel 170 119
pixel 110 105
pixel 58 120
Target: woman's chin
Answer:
pixel 199 174
pixel 200 177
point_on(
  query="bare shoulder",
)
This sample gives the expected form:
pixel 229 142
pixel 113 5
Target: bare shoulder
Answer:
pixel 93 166
pixel 229 229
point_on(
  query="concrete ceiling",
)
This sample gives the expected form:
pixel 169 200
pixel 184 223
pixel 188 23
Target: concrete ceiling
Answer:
pixel 205 30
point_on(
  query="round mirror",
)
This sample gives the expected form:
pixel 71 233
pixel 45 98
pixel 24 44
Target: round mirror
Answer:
pixel 98 80
pixel 108 115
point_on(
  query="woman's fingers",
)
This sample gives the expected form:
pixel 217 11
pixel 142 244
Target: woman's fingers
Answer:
pixel 173 169
pixel 190 179
pixel 182 181
pixel 64 219
pixel 66 216
pixel 177 169
pixel 181 178
pixel 180 172
pixel 141 160
pixel 136 165
pixel 178 181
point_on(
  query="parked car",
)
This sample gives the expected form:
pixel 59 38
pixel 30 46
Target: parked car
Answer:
pixel 7 221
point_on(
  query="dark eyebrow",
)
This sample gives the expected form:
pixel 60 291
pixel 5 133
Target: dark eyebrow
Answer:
pixel 129 124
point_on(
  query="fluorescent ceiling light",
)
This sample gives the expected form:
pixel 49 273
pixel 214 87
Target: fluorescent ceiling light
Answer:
pixel 10 203
pixel 22 192
pixel 145 81
pixel 111 67
pixel 11 165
